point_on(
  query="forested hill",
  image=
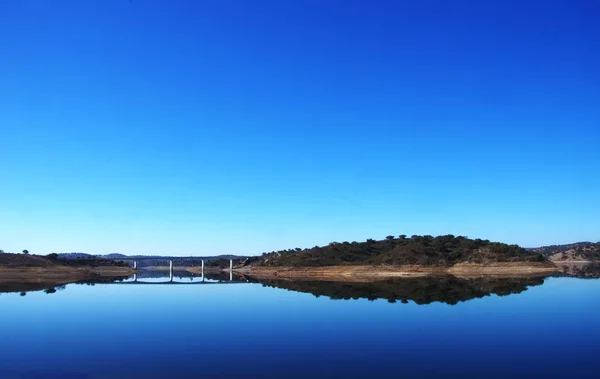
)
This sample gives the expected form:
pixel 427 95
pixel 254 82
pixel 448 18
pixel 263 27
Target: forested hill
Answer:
pixel 418 250
pixel 579 251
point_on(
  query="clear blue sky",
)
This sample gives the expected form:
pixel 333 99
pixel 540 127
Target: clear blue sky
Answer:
pixel 204 127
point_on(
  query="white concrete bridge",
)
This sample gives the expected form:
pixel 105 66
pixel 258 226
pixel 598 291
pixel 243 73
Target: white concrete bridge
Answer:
pixel 171 281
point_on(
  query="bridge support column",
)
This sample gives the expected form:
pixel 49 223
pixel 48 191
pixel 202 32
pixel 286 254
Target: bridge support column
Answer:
pixel 134 264
pixel 203 270
pixel 171 271
pixel 230 270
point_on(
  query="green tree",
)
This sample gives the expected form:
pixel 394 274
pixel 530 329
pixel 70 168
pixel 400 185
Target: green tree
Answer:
pixel 25 251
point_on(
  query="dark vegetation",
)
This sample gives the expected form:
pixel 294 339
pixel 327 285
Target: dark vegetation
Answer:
pixel 48 288
pixel 88 262
pixel 27 260
pixel 22 260
pixel 448 289
pixel 224 263
pixel 416 250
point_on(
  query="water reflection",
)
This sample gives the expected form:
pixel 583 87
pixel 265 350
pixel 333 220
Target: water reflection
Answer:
pixel 141 277
pixel 444 289
pixel 580 270
pixel 25 286
pixel 126 330
pixel 161 276
pixel 183 277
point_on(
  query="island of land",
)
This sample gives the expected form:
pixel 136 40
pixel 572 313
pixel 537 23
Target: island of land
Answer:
pixel 401 256
pixel 25 271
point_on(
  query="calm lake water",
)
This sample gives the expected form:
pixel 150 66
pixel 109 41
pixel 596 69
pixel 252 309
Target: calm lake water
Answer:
pixel 546 328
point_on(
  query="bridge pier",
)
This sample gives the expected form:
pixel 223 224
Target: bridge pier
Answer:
pixel 202 269
pixel 230 270
pixel 170 271
pixel 134 264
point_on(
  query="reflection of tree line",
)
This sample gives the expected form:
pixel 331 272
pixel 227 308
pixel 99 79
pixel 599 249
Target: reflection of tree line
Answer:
pixel 24 288
pixel 582 271
pixel 447 289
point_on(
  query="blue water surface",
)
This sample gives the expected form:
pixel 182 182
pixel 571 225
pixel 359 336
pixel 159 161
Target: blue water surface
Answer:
pixel 247 330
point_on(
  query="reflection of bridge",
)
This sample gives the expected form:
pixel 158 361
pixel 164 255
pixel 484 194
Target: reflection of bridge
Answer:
pixel 134 260
pixel 135 282
pixel 170 281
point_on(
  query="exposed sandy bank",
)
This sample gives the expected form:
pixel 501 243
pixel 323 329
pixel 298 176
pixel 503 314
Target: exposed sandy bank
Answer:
pixel 26 279
pixel 502 269
pixel 372 273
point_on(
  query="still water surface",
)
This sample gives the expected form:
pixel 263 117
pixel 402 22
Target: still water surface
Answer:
pixel 547 328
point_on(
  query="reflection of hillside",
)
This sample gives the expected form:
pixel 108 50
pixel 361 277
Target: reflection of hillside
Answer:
pixel 49 287
pixel 161 274
pixel 584 271
pixel 219 276
pixel 447 289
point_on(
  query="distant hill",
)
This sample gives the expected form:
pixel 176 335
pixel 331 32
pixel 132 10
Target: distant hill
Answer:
pixel 114 256
pixel 579 251
pixel 76 255
pixel 161 260
pixel 416 250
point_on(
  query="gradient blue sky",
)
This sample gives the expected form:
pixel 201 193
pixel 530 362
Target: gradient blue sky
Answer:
pixel 204 127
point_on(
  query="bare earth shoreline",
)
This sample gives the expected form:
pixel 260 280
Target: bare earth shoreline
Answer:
pixel 373 273
pixel 41 277
pixel 32 278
